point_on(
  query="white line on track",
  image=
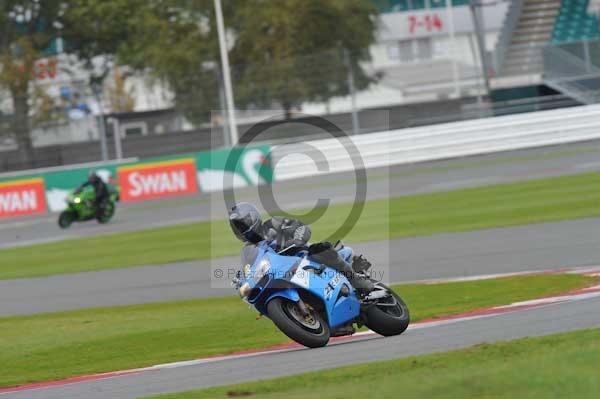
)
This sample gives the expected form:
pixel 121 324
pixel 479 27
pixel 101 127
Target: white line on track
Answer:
pixel 25 223
pixel 587 270
pixel 588 165
pixel 38 241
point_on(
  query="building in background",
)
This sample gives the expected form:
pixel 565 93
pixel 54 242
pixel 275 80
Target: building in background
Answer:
pixel 426 50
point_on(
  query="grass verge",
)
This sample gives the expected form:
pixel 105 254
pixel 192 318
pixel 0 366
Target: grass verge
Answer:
pixel 555 366
pixel 462 210
pixel 59 345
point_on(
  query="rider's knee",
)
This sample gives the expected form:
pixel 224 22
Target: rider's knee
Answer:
pixel 346 254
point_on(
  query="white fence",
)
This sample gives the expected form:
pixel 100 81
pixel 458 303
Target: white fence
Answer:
pixel 438 142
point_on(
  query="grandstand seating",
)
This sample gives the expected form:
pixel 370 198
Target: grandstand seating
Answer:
pixel 577 19
pixel 520 44
pixel 571 63
pixel 575 23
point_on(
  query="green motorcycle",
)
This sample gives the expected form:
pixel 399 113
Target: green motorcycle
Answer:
pixel 80 207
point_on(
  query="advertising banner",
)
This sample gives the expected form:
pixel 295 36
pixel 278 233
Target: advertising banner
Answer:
pixel 157 179
pixel 22 197
pixel 162 177
pixel 237 167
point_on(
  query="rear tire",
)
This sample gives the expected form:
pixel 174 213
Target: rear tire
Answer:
pixel 106 215
pixel 65 219
pixel 279 311
pixel 389 320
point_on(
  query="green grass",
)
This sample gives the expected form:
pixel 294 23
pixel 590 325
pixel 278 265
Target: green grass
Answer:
pixel 555 366
pixel 58 345
pixel 462 210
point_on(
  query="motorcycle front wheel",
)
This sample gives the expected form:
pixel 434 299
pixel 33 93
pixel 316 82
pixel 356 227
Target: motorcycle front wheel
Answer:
pixel 65 219
pixel 310 330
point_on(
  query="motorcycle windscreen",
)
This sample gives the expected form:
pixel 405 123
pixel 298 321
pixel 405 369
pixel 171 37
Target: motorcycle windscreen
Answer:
pixel 249 254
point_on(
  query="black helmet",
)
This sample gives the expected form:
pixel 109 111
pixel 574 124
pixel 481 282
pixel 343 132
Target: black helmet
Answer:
pixel 93 176
pixel 246 223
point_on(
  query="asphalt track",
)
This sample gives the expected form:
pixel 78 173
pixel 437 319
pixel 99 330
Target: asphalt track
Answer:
pixel 525 323
pixel 505 250
pixel 338 188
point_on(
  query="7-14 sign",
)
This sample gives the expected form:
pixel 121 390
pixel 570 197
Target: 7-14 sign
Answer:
pixel 425 23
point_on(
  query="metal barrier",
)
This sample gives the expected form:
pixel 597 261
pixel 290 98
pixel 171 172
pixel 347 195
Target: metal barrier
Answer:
pixel 438 142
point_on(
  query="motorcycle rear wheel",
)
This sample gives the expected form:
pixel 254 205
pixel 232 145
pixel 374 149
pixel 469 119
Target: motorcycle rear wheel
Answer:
pixel 312 332
pixel 106 215
pixel 388 318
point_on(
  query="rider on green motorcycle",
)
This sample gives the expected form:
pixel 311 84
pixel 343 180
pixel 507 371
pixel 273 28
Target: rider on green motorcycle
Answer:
pixel 100 189
pixel 247 225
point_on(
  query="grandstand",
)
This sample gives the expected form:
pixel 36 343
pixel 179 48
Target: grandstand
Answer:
pixel 527 29
pixel 571 62
pixel 533 24
pixel 576 21
pixel 415 5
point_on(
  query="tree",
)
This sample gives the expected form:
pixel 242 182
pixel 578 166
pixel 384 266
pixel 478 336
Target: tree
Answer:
pixel 27 29
pixel 283 52
pixel 291 51
pixel 175 42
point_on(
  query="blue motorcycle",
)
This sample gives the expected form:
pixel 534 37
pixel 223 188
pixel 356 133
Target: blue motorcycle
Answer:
pixel 311 302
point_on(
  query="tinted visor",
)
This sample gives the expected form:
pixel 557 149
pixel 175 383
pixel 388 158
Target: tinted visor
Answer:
pixel 238 226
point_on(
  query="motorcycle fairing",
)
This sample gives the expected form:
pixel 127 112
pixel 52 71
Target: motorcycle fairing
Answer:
pixel 287 274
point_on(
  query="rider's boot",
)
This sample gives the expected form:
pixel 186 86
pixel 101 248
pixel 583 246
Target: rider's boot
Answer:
pixel 360 264
pixel 332 258
pixel 361 282
pixel 100 208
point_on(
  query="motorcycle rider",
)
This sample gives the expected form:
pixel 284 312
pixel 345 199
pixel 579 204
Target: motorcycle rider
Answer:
pixel 100 189
pixel 293 235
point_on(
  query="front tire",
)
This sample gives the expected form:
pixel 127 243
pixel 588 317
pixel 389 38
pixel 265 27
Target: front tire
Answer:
pixel 313 333
pixel 65 219
pixel 390 317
